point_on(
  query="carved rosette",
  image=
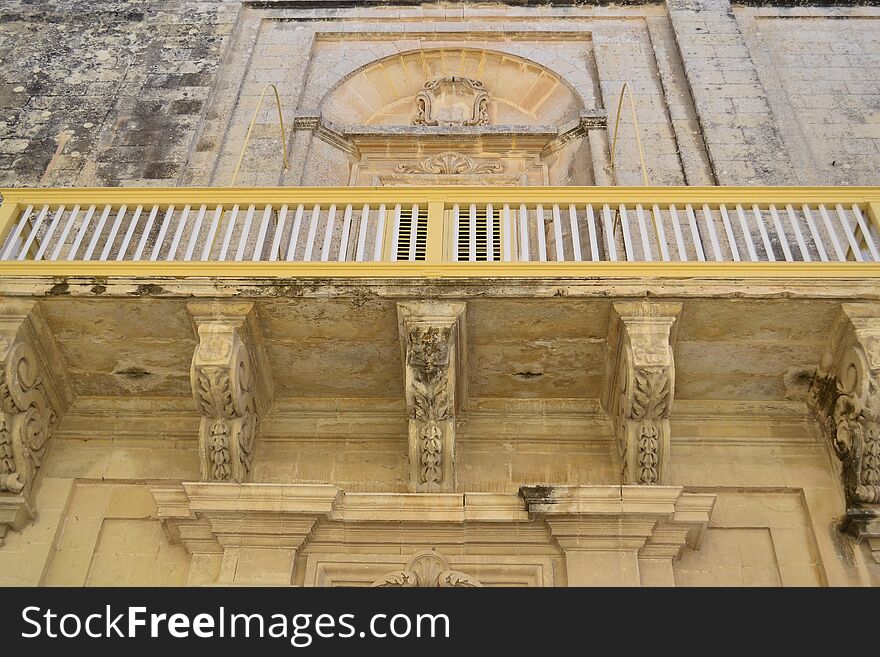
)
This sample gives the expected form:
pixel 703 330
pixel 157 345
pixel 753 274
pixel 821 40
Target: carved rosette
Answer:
pixel 845 398
pixel 427 570
pixel 452 101
pixel 640 398
pixel 430 335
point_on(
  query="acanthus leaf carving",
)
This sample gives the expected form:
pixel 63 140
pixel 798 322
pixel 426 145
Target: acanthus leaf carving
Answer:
pixel 449 163
pixel 427 570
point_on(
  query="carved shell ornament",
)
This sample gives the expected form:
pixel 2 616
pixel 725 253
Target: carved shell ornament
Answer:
pixel 427 570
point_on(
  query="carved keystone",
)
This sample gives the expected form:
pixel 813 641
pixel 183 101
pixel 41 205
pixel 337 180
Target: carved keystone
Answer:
pixel 431 335
pixel 232 387
pixel 845 397
pixel 639 385
pixel 34 394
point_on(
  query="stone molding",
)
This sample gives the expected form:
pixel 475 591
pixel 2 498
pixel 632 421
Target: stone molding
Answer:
pixel 231 385
pixel 845 398
pixel 639 387
pixel 34 395
pixel 431 335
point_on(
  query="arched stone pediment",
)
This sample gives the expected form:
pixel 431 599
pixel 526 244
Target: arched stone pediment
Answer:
pixel 492 88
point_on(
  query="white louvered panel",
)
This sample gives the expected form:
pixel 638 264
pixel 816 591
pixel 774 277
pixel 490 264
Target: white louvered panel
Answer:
pixel 609 233
pixel 832 234
pixel 227 236
pixel 114 229
pixel 542 234
pixel 762 229
pixel 866 234
pixel 557 234
pixel 81 233
pixel 679 238
pixel 814 233
pixel 728 231
pixel 178 234
pixel 695 232
pixel 275 247
pixel 294 233
pixel 148 228
pixel 643 234
pixel 328 234
pixel 747 233
pixel 575 233
pixel 799 236
pixel 507 230
pixel 26 246
pixel 490 230
pixel 713 235
pixel 592 234
pixel 523 233
pixel 12 240
pixel 380 234
pixel 313 231
pixel 780 233
pixel 132 226
pixel 157 247
pixel 261 236
pixel 456 217
pixel 49 233
pixel 362 234
pixel 472 236
pixel 96 235
pixel 245 233
pixel 413 232
pixel 627 237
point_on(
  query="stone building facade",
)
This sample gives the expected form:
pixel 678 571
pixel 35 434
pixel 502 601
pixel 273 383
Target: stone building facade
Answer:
pixel 276 427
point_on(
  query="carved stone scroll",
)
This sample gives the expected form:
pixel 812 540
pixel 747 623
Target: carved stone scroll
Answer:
pixel 845 397
pixel 639 385
pixel 231 386
pixel 431 335
pixel 449 163
pixel 427 570
pixel 452 101
pixel 33 397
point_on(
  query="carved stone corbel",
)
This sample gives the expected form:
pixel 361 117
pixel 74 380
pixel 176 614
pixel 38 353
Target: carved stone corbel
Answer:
pixel 34 394
pixel 431 334
pixel 845 397
pixel 232 387
pixel 639 385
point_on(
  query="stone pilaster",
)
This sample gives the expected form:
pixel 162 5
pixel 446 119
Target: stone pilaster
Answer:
pixel 232 387
pixel 431 334
pixel 621 535
pixel 34 394
pixel 845 397
pixel 639 386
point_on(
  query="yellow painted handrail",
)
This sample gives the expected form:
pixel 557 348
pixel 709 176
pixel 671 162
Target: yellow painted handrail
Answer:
pixel 247 138
pixel 635 119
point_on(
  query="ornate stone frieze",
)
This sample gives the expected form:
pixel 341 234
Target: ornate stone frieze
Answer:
pixel 231 387
pixel 33 397
pixel 845 398
pixel 428 569
pixel 640 378
pixel 451 101
pixel 449 163
pixel 431 334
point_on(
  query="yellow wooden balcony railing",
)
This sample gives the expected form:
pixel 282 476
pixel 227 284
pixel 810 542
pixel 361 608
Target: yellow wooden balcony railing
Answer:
pixel 442 231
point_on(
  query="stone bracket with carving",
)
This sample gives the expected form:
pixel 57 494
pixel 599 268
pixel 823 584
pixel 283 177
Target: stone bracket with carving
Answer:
pixel 34 394
pixel 639 386
pixel 431 335
pixel 232 387
pixel 845 398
